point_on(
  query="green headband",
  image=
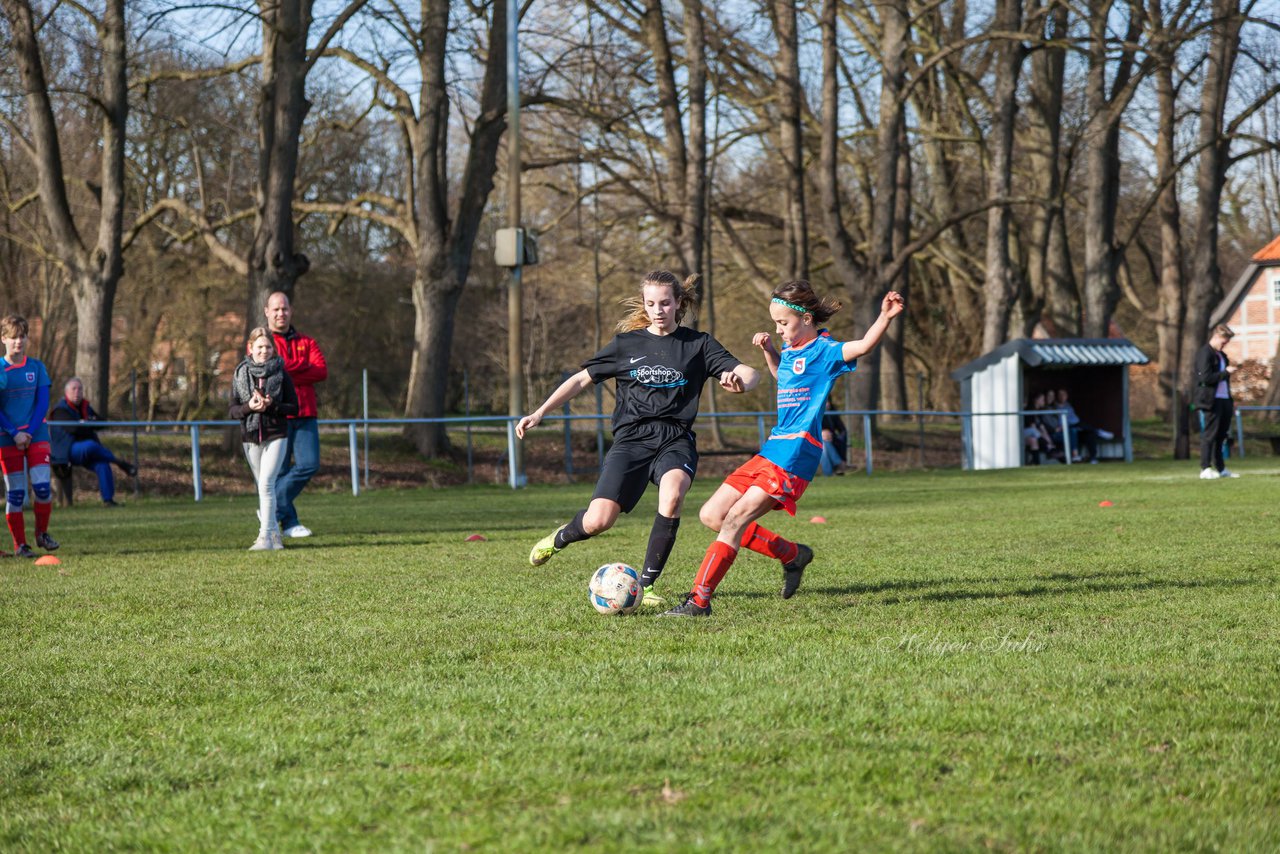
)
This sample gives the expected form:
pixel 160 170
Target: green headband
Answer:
pixel 792 306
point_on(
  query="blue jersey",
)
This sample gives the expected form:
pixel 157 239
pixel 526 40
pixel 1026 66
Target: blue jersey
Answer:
pixel 805 378
pixel 19 395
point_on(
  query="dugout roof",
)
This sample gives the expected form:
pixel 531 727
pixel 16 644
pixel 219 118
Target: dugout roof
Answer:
pixel 1058 352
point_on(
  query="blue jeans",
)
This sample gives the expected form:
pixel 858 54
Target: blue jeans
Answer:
pixel 830 459
pixel 301 459
pixel 92 454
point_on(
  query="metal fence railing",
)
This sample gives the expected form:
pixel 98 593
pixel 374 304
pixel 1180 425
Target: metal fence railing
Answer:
pixel 906 438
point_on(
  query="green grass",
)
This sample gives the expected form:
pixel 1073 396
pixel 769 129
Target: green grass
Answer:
pixel 976 660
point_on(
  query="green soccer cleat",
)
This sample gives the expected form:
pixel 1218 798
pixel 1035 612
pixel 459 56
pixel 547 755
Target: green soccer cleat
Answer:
pixel 545 548
pixel 651 599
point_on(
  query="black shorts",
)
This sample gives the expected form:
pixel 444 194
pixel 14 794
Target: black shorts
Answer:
pixel 642 455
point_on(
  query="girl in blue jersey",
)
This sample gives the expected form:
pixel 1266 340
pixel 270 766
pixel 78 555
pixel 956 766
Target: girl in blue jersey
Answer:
pixel 659 368
pixel 24 437
pixel 806 369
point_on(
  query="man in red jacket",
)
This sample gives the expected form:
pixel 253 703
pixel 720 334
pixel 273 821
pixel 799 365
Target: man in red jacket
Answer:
pixel 304 362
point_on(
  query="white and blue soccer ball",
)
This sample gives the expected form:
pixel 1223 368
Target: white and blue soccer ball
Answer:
pixel 615 589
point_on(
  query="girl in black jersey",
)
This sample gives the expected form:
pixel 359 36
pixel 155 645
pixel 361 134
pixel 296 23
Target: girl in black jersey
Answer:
pixel 659 367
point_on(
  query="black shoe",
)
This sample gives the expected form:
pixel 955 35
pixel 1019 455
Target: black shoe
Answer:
pixel 110 502
pixel 688 608
pixel 129 469
pixel 24 550
pixel 46 542
pixel 793 571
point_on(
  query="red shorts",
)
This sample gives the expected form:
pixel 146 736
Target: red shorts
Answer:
pixel 780 484
pixel 11 458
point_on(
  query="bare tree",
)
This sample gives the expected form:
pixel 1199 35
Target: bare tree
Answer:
pixel 1214 143
pixel 1106 101
pixel 439 225
pixel 1001 286
pixel 94 270
pixel 1051 280
pixel 791 137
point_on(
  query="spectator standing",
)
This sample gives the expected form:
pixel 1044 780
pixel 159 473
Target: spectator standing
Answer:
pixel 1212 396
pixel 263 399
pixel 77 443
pixel 24 437
pixel 304 362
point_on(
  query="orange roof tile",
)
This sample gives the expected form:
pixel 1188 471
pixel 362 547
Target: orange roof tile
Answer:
pixel 1270 252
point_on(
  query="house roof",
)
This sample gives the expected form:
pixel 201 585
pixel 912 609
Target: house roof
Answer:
pixel 1270 252
pixel 1062 352
pixel 1267 256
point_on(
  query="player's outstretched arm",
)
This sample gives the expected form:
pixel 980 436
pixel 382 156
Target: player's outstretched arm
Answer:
pixel 567 391
pixel 771 356
pixel 741 379
pixel 890 307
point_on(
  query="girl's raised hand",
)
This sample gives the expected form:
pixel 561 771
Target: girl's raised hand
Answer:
pixel 893 304
pixel 527 423
pixel 762 340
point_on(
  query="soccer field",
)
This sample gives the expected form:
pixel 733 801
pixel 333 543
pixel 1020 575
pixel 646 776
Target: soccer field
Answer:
pixel 975 660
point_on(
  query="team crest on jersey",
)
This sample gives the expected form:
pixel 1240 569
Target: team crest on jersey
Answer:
pixel 31 377
pixel 797 367
pixel 658 376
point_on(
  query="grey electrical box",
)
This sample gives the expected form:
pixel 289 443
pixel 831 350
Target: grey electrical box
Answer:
pixel 510 244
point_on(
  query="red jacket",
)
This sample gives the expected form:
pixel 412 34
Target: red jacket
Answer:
pixel 305 365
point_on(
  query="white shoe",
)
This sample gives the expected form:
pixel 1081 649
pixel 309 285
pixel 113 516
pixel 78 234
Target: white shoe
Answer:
pixel 297 531
pixel 1227 473
pixel 262 544
pixel 276 544
pixel 1209 474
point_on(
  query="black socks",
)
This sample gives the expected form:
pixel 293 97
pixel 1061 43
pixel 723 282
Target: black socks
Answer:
pixel 661 539
pixel 572 533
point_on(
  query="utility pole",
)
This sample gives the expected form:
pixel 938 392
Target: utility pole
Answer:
pixel 515 301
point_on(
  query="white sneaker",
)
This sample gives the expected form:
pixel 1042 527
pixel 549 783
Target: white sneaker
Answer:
pixel 276 544
pixel 1209 474
pixel 298 531
pixel 1227 473
pixel 262 544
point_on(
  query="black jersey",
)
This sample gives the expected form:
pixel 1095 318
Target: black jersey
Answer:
pixel 659 376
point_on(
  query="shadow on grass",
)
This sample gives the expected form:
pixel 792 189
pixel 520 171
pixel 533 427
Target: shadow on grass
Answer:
pixel 1068 584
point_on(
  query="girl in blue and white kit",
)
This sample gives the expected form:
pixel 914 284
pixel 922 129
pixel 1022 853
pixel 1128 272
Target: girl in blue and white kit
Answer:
pixel 806 369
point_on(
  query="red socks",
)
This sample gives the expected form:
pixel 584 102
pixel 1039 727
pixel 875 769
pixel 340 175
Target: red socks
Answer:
pixel 17 527
pixel 715 564
pixel 43 511
pixel 769 544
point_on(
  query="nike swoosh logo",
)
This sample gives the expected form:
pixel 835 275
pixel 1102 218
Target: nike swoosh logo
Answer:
pixel 638 358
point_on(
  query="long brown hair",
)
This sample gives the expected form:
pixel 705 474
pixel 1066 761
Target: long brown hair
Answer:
pixel 686 300
pixel 800 292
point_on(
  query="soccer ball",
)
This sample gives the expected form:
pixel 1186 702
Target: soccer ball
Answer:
pixel 615 589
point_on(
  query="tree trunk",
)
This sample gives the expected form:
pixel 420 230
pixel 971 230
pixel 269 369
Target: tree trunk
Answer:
pixel 893 378
pixel 435 302
pixel 791 137
pixel 94 273
pixel 1102 162
pixel 1000 284
pixel 1052 289
pixel 1204 281
pixel 445 244
pixel 274 265
pixel 1171 288
pixel 694 213
pixel 867 295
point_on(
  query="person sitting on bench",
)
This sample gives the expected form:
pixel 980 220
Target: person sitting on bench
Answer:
pixel 77 443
